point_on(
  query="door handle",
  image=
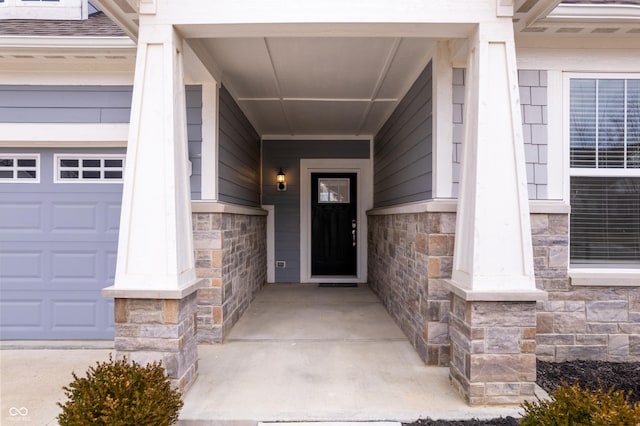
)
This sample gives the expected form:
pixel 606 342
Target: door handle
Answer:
pixel 353 232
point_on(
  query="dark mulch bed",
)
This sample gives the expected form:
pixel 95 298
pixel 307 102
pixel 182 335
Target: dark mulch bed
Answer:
pixel 619 375
pixel 624 376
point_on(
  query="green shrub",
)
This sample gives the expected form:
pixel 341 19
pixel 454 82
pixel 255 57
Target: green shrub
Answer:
pixel 120 393
pixel 573 405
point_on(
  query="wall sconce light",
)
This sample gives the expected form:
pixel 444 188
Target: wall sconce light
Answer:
pixel 282 184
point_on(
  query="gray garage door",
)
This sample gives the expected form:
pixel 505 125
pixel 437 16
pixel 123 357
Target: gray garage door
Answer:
pixel 58 242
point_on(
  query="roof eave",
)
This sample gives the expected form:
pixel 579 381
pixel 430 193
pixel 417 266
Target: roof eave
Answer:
pixel 594 13
pixel 124 15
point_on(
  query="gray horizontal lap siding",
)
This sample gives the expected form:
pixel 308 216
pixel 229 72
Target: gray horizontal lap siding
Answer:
pixel 403 148
pixel 65 104
pixel 93 104
pixel 194 135
pixel 287 154
pixel 239 155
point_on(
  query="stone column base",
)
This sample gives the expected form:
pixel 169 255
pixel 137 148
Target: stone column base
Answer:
pixel 148 330
pixel 493 358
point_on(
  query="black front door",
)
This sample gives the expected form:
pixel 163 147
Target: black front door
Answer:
pixel 334 224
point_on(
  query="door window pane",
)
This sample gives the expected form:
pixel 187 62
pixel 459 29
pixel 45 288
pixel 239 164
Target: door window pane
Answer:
pixel 333 190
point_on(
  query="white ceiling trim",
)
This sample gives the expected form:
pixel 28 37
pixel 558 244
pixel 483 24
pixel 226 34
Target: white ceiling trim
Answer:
pixel 381 78
pixel 277 84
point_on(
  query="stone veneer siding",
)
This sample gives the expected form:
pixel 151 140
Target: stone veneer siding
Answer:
pixel 407 255
pixel 493 350
pixel 231 253
pixel 579 322
pixel 149 330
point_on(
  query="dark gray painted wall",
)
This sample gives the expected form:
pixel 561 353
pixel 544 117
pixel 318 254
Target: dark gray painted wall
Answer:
pixel 194 135
pixel 287 154
pixel 239 155
pixel 402 148
pixel 93 104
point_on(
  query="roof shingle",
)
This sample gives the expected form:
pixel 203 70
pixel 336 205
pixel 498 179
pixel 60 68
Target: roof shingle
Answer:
pixel 97 25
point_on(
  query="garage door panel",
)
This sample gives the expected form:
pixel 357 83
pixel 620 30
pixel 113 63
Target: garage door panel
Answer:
pixel 74 217
pixel 47 315
pixel 20 216
pixel 74 314
pixel 79 266
pixel 112 213
pixel 21 266
pixel 80 315
pixel 19 312
pixel 110 266
pixel 109 317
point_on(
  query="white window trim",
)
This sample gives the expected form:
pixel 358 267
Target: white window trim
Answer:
pixel 39 9
pixel 596 274
pixel 618 277
pixel 34 156
pixel 56 168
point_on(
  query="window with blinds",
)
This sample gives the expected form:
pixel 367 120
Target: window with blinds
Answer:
pixel 605 172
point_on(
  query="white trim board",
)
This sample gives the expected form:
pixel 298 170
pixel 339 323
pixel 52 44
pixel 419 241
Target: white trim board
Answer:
pixel 364 171
pixel 44 135
pixel 271 242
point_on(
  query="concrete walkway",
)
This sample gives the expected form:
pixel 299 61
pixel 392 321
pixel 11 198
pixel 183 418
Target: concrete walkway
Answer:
pixel 300 353
pixel 303 353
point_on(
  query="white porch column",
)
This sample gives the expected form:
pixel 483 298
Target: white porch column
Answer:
pixel 493 307
pixel 155 250
pixel 155 284
pixel 493 233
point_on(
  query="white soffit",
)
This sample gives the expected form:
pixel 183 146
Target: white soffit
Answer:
pixel 318 85
pixel 616 11
pixel 590 18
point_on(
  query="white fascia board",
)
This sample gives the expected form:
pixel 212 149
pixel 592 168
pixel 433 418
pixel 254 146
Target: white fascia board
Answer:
pixel 594 12
pixel 89 43
pixel 327 29
pixel 613 59
pixel 76 75
pixel 38 135
pixel 328 11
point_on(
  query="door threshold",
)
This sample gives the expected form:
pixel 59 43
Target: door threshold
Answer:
pixel 338 285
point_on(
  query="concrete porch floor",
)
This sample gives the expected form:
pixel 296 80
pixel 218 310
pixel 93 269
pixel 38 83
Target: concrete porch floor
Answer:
pixel 304 353
pixel 300 353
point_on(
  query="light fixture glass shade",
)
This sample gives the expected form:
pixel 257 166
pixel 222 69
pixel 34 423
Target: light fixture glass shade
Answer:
pixel 280 176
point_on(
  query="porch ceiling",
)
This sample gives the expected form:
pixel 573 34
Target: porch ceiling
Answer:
pixel 336 77
pixel 317 86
